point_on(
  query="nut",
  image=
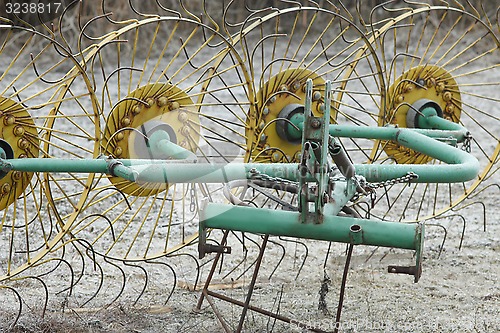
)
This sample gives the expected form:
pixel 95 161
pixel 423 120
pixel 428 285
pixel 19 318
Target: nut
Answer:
pixel 9 120
pixel 137 109
pixel 174 106
pixel 125 121
pixel 447 96
pixel 118 151
pixel 18 130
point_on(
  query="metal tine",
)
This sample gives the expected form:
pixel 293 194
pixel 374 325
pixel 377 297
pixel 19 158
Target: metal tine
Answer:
pixel 143 290
pixel 306 251
pixel 463 225
pixel 174 275
pixel 445 234
pixel 196 264
pixel 280 259
pixel 19 300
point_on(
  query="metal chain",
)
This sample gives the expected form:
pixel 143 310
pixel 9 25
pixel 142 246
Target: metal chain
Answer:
pixel 404 179
pixel 257 175
pixel 466 145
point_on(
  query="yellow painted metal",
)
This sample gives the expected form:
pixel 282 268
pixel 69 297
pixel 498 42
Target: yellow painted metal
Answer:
pixel 285 88
pixel 18 129
pixel 420 82
pixel 160 102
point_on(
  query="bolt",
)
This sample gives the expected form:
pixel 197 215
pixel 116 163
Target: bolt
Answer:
pixel 450 108
pixel 162 101
pixel 440 87
pixel 9 120
pixel 185 131
pixel 183 117
pixel 315 123
pixel 262 125
pixel 263 137
pixel 137 109
pixel 284 87
pixel 275 157
pixel 23 144
pixel 118 151
pixel 265 111
pixel 421 82
pixel 298 156
pixel 174 106
pixel 408 88
pixel 431 82
pixel 16 176
pixel 6 188
pixel 22 156
pixel 400 99
pixel 320 107
pixel 119 136
pixel 150 102
pixel 18 130
pixel 125 121
pixel 296 86
pixel 447 96
pixel 272 99
pixel 316 96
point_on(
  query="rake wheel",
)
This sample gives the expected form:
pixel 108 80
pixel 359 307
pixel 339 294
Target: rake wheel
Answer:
pixel 172 72
pixel 285 47
pixel 37 86
pixel 425 60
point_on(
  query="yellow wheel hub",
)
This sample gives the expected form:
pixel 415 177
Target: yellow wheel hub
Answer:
pixel 285 88
pixel 18 130
pixel 422 82
pixel 159 103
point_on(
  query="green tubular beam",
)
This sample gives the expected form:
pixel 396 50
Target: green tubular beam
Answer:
pixel 461 165
pixel 334 228
pixel 160 145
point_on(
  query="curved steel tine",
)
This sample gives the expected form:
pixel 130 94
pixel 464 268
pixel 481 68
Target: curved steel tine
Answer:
pixel 463 223
pixel 483 207
pixel 145 279
pixel 20 300
pixel 245 255
pixel 444 237
pixel 173 274
pixel 280 260
pixel 306 251
pixel 124 279
pixel 196 262
pixel 252 263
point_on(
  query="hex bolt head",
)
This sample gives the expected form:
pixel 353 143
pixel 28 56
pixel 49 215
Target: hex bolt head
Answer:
pixel 263 137
pixel 315 123
pixel 316 96
pixel 272 99
pixel 265 111
pixel 275 157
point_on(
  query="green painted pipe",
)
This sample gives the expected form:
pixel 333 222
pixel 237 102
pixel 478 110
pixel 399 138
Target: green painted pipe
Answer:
pixel 162 147
pixel 461 165
pixel 334 228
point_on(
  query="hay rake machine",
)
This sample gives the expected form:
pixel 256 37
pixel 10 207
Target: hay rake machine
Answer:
pixel 132 138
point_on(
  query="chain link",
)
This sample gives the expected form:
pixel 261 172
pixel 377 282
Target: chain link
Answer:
pixel 400 180
pixel 466 145
pixel 257 175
